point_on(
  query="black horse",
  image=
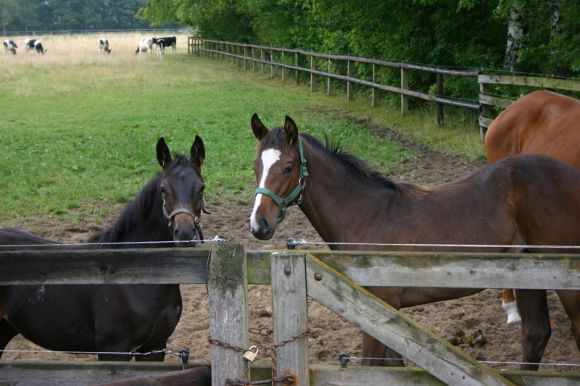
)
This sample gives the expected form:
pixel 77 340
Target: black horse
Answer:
pixel 112 319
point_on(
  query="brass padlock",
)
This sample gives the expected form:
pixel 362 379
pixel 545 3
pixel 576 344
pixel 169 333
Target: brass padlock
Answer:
pixel 251 354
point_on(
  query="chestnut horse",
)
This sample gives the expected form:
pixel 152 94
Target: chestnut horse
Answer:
pixel 114 319
pixel 527 199
pixel 541 122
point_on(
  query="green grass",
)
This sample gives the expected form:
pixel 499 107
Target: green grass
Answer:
pixel 82 134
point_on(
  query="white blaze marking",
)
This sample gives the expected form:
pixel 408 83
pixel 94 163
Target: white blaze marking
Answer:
pixel 269 157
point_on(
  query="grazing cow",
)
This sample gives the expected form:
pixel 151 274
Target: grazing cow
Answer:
pixel 145 45
pixel 29 43
pixel 10 46
pixel 161 43
pixel 104 47
pixel 39 47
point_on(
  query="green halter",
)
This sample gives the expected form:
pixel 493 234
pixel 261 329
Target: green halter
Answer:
pixel 296 194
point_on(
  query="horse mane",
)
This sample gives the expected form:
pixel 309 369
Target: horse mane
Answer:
pixel 135 211
pixel 359 167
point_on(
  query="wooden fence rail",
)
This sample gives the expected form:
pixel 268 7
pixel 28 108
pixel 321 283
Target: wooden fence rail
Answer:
pixel 277 58
pixel 333 278
pixel 322 65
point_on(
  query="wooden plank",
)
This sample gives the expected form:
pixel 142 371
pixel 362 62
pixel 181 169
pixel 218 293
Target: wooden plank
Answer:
pixel 326 375
pixel 227 295
pixel 104 266
pixel 399 332
pixel 485 122
pixel 373 90
pixel 312 67
pixel 404 86
pixel 531 81
pixel 457 270
pixel 66 373
pixel 495 101
pixel 439 94
pixel 348 81
pixel 290 315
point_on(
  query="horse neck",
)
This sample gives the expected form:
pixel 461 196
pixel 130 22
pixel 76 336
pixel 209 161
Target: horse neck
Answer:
pixel 142 220
pixel 337 208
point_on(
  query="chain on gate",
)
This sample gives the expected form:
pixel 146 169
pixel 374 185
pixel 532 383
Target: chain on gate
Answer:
pixel 250 354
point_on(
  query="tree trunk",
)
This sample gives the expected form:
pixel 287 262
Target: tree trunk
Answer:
pixel 555 32
pixel 514 37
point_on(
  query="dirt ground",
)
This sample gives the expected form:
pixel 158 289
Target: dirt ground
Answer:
pixel 330 334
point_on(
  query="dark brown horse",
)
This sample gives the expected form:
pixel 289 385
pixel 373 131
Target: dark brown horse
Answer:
pixel 115 318
pixel 527 199
pixel 541 122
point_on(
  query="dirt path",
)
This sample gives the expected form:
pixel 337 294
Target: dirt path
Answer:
pixel 330 334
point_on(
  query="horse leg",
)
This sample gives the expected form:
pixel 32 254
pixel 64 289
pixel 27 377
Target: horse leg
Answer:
pixel 510 307
pixel 375 353
pixel 571 302
pixel 7 332
pixel 536 330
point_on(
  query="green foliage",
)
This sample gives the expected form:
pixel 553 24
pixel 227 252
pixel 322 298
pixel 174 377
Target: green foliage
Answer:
pixel 451 33
pixel 33 15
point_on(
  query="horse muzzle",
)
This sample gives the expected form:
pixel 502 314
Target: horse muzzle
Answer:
pixel 261 229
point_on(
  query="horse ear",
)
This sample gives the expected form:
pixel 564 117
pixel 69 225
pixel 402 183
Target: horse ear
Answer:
pixel 258 127
pixel 163 153
pixel 197 151
pixel 291 130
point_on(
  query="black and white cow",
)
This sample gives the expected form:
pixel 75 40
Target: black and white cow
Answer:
pixel 145 45
pixel 29 43
pixel 39 47
pixel 162 43
pixel 104 47
pixel 10 46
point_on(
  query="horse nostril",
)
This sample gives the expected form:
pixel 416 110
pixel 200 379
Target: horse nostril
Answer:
pixel 263 224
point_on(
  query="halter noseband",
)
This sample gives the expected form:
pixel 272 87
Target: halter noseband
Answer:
pixel 296 194
pixel 169 216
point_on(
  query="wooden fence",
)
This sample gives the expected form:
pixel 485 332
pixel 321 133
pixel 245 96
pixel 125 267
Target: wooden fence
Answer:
pixel 325 65
pixel 335 279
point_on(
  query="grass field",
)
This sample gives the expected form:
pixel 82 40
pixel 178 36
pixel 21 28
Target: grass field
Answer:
pixel 78 129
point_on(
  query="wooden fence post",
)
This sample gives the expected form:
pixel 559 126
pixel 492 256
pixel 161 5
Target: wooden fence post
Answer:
pixel 329 80
pixel 262 60
pixel 296 65
pixel 348 83
pixel 404 86
pixel 227 294
pixel 272 63
pixel 290 316
pixel 482 110
pixel 373 91
pixel 312 67
pixel 253 61
pixel 439 94
pixel 245 56
pixel 283 68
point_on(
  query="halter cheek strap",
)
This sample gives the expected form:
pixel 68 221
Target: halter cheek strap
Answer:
pixel 296 195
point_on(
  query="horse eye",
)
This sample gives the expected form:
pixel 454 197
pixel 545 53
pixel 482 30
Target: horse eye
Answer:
pixel 289 169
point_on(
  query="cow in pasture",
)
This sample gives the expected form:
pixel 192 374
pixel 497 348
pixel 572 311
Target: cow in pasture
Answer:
pixel 29 43
pixel 104 47
pixel 145 45
pixel 10 46
pixel 39 47
pixel 161 43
